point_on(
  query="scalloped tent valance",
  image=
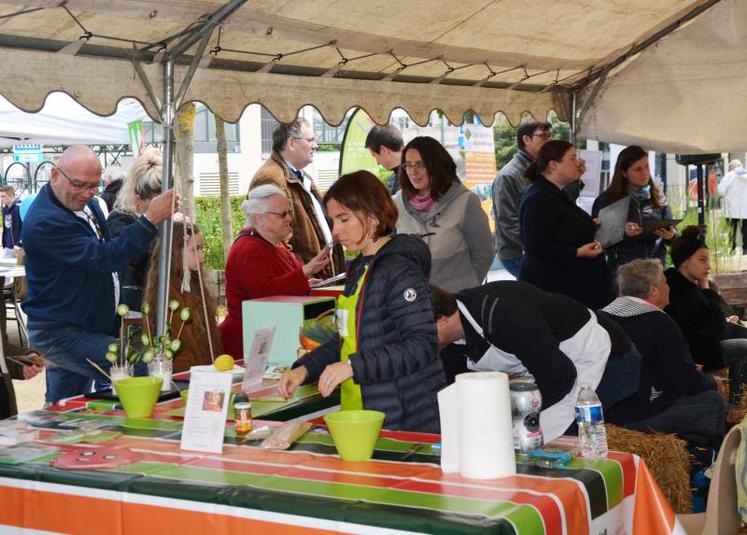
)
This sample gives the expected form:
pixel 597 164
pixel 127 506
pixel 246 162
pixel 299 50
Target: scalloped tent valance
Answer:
pixel 481 56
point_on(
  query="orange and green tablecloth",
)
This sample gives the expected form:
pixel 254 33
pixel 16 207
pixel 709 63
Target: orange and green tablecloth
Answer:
pixel 309 488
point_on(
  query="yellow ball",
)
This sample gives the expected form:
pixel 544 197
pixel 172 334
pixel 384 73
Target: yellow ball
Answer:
pixel 224 363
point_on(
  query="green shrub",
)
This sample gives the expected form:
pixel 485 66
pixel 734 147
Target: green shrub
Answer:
pixel 209 221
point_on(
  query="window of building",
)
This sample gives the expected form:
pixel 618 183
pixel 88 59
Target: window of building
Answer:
pixel 268 124
pixel 204 133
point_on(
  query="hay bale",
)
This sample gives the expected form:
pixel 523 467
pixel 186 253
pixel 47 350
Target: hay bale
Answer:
pixel 665 455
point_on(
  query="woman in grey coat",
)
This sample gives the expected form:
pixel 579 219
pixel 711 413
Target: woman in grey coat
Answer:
pixel 434 205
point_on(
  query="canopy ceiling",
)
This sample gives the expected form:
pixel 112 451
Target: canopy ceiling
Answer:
pixel 486 56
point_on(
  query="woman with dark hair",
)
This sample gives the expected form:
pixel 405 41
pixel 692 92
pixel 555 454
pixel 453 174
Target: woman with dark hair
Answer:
pixel 434 204
pixel 716 338
pixel 384 356
pixel 632 181
pixel 188 285
pixel 560 252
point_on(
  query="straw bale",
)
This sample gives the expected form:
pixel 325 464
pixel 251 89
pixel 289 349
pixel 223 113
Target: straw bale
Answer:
pixel 665 455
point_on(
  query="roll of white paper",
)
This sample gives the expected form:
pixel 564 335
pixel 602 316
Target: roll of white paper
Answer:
pixel 486 445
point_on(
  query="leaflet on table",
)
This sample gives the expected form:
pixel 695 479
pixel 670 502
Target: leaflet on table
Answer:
pixel 205 415
pixel 258 354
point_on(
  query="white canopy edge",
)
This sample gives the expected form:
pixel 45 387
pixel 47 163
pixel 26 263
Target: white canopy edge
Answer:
pixel 685 95
pixel 98 84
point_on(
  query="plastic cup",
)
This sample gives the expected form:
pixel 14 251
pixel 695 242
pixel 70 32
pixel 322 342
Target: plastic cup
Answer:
pixel 138 395
pixel 355 433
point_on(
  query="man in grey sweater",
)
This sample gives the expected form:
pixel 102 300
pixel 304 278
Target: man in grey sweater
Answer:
pixel 509 187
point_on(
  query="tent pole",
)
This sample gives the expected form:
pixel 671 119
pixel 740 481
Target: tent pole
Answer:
pixel 573 117
pixel 164 230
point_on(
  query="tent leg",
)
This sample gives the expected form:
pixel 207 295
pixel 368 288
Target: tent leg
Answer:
pixel 574 124
pixel 164 229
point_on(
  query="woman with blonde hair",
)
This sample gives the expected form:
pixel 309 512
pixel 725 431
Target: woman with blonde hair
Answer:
pixel 187 285
pixel 141 185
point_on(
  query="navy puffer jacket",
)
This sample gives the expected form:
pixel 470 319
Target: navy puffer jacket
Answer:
pixel 397 363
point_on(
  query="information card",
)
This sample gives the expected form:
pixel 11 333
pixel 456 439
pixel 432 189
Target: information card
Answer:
pixel 205 417
pixel 256 364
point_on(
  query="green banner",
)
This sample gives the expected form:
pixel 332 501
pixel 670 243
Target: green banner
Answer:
pixel 354 156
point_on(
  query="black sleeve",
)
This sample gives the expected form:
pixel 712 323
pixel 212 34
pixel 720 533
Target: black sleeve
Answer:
pixel 539 231
pixel 417 344
pixel 318 359
pixel 521 331
pixel 674 363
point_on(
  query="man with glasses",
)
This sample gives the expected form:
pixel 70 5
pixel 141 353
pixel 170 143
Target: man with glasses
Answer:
pixel 71 266
pixel 509 187
pixel 293 147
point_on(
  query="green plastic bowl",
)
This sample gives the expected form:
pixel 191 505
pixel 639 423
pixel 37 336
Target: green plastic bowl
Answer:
pixel 355 433
pixel 138 395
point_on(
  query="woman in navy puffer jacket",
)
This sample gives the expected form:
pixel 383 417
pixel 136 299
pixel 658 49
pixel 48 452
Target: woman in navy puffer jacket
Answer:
pixel 384 356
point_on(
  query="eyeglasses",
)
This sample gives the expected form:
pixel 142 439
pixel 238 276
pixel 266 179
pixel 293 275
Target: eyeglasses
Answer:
pixel 543 135
pixel 281 215
pixel 415 165
pixel 311 139
pixel 77 184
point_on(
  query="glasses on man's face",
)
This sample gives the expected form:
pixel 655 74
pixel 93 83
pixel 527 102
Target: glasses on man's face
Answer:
pixel 414 165
pixel 543 135
pixel 79 185
pixel 281 215
pixel 309 140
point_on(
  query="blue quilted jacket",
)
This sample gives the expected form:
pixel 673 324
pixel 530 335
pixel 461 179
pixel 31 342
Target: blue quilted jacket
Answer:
pixel 397 363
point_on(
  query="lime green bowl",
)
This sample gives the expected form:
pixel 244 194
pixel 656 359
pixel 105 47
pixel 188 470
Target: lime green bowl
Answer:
pixel 355 433
pixel 138 395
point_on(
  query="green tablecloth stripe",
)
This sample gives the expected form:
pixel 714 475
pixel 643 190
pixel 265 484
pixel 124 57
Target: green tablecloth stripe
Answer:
pixel 526 518
pixel 590 479
pixel 612 474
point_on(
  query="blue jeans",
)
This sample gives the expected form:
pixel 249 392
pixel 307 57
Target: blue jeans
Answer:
pixel 512 265
pixel 66 349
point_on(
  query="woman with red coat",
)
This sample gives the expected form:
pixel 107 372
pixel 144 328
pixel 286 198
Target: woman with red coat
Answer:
pixel 260 264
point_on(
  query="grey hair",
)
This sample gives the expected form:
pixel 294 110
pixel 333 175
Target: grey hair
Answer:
pixel 143 179
pixel 112 173
pixel 256 201
pixel 284 131
pixel 635 278
pixel 735 164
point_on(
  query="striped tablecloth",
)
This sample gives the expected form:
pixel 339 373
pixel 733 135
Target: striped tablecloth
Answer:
pixel 310 488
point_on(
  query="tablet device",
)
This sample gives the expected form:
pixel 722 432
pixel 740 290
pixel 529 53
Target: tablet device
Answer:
pixel 652 225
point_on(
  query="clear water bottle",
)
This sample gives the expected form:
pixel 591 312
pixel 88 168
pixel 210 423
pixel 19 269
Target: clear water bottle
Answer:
pixel 592 438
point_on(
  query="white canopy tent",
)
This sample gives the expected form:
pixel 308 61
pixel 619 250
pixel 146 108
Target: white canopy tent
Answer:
pixel 480 55
pixel 625 70
pixel 62 121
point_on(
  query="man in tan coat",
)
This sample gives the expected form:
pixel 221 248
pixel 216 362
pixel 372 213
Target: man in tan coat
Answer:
pixel 293 147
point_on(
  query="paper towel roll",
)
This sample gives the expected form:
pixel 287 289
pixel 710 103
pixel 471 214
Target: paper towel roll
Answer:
pixel 486 445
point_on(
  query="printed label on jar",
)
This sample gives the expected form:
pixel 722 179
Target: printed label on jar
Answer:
pixel 589 415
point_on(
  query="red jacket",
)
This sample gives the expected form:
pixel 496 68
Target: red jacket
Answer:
pixel 255 268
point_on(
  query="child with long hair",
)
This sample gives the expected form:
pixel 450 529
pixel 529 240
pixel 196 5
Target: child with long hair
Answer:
pixel 201 334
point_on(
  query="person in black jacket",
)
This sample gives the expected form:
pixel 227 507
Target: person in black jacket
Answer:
pixel 550 339
pixel 384 356
pixel 142 184
pixel 560 252
pixel 12 223
pixel 673 396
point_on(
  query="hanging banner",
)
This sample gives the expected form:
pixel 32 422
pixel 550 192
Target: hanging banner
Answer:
pixel 135 129
pixel 354 156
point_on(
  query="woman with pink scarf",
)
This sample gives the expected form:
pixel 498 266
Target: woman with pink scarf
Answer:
pixel 434 205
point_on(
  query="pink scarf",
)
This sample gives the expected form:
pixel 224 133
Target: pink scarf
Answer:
pixel 422 203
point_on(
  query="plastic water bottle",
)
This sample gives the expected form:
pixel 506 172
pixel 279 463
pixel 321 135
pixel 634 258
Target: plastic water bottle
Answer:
pixel 592 438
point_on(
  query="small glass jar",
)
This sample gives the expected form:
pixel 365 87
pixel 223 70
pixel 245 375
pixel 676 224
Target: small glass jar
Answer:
pixel 243 417
pixel 161 367
pixel 117 372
